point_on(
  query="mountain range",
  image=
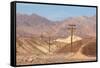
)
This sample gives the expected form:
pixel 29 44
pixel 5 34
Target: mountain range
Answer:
pixel 36 25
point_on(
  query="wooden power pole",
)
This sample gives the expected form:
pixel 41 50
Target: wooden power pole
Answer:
pixel 49 42
pixel 71 28
pixel 41 36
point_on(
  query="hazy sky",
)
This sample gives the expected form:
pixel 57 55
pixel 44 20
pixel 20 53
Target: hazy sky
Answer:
pixel 55 12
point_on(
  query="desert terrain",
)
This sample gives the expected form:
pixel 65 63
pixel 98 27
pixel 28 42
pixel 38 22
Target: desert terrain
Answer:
pixel 41 41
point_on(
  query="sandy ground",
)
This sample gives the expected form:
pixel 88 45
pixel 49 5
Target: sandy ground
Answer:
pixel 53 57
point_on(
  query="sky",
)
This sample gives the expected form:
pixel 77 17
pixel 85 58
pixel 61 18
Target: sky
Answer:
pixel 55 12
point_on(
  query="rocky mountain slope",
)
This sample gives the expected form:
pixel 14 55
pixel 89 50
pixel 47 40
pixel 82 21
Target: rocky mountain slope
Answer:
pixel 35 25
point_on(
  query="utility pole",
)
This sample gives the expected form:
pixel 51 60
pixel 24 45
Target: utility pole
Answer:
pixel 49 43
pixel 71 28
pixel 41 36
